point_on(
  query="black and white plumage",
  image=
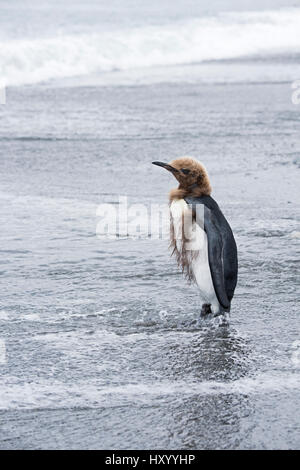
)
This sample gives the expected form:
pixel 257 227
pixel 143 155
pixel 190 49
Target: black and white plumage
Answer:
pixel 201 236
pixel 221 249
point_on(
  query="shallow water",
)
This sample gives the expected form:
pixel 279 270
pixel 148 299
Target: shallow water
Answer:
pixel 103 339
pixel 104 346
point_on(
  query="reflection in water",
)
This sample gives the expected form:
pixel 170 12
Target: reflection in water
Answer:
pixel 209 354
pixel 210 421
pixel 204 419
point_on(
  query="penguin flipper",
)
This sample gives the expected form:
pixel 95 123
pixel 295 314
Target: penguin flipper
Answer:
pixel 215 244
pixel 215 256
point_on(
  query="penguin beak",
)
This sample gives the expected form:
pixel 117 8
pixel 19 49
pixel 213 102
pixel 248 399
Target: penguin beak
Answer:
pixel 166 166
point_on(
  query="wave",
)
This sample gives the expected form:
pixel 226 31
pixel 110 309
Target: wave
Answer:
pixel 226 36
pixel 57 395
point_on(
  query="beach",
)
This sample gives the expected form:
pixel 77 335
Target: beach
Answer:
pixel 104 348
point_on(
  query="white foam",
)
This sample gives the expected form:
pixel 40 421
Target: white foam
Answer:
pixel 226 36
pixel 14 395
pixel 3 315
pixel 295 234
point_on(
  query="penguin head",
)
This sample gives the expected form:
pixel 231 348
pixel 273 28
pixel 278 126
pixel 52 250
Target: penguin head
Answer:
pixel 191 175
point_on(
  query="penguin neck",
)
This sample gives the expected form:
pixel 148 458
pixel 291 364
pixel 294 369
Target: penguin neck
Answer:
pixel 192 191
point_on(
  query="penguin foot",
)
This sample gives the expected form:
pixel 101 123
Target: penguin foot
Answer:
pixel 205 310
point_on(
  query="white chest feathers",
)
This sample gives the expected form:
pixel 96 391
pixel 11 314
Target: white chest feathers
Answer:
pixel 189 242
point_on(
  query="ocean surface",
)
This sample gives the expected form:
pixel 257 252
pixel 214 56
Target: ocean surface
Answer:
pixel 101 346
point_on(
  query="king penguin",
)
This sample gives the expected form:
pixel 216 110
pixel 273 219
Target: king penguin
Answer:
pixel 201 237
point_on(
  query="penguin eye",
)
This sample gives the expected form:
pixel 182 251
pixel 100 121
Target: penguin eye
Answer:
pixel 185 171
